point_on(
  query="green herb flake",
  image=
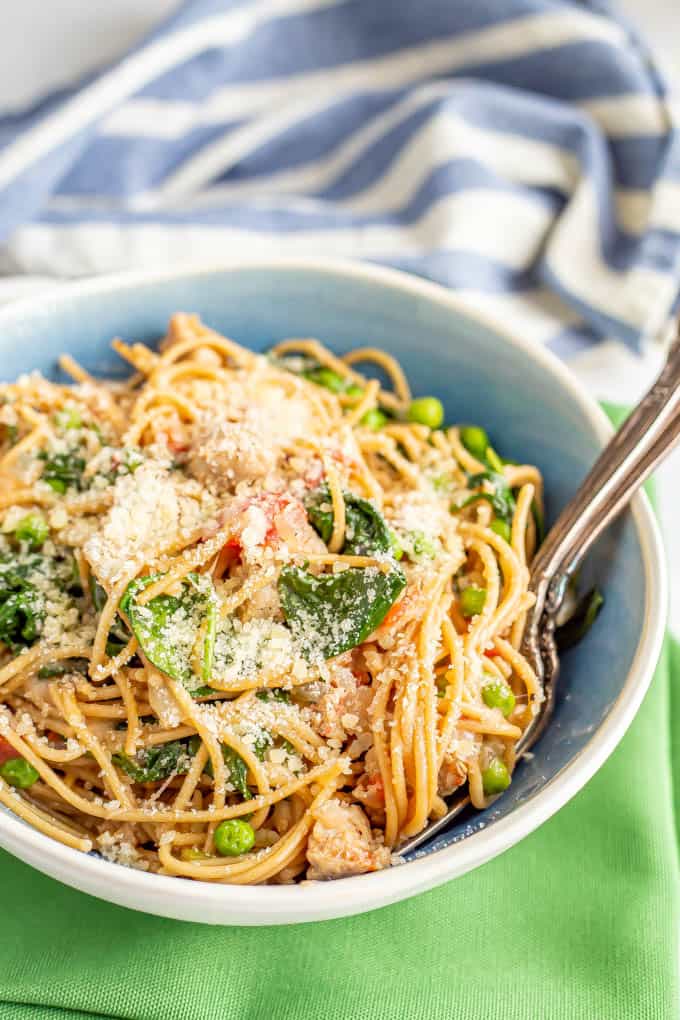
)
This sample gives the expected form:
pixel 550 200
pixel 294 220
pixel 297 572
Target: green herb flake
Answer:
pixel 156 763
pixel 63 471
pixel 500 495
pixel 274 694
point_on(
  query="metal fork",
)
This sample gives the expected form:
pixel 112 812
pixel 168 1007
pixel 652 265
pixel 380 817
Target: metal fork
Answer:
pixel 642 442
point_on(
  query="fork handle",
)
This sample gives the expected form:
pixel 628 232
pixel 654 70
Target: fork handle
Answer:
pixel 629 458
pixel 643 441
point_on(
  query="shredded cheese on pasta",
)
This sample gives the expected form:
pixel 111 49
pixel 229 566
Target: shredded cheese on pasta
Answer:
pixel 226 593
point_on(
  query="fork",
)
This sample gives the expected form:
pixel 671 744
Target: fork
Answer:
pixel 643 441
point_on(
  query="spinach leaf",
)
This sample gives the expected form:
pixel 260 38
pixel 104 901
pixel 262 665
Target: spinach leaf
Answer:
pixel 203 691
pixel 97 594
pixel 330 613
pixel 63 471
pixel 22 605
pixel 167 627
pixel 53 669
pixel 273 694
pixel 21 616
pixel 118 636
pixel 14 571
pixel 27 581
pixel 155 763
pixel 292 752
pixel 366 531
pixel 500 498
pixel 237 770
pixel 209 639
pixel 262 744
pixel 584 616
pixel 73 584
pixel 10 434
pixel 320 512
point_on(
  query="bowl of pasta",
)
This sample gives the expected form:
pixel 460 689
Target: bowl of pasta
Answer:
pixel 265 540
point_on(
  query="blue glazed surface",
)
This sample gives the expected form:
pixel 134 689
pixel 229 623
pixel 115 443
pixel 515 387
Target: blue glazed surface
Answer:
pixel 480 378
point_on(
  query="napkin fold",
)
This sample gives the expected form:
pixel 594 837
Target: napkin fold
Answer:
pixel 576 922
pixel 523 152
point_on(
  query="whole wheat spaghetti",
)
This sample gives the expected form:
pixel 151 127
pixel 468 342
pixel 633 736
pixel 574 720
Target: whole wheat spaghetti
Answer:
pixel 260 615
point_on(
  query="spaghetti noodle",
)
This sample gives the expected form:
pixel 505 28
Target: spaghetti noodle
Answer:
pixel 260 615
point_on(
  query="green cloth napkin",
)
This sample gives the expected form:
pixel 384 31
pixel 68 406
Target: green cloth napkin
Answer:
pixel 577 922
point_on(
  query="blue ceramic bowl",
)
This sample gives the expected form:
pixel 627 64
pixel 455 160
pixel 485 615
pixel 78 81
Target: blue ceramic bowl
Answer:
pixel 533 409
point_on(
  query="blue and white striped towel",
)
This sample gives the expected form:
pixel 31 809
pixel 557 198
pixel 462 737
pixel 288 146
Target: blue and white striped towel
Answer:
pixel 520 151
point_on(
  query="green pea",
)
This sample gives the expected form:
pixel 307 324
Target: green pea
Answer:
pixel 395 546
pixel 427 411
pixel 472 601
pixel 327 378
pixel 69 418
pixel 493 460
pixel 18 772
pixel 32 528
pixel 501 528
pixel 441 483
pixel 475 440
pixel 374 419
pixel 495 777
pixel 57 484
pixel 497 694
pixel 354 391
pixel 233 837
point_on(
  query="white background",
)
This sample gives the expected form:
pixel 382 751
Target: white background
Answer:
pixel 47 43
pixel 44 43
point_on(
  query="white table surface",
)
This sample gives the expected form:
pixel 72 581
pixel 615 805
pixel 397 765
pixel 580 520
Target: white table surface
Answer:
pixel 44 45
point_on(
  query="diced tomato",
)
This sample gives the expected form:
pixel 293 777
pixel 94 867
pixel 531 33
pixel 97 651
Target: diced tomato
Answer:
pixel 229 555
pixel 392 615
pixel 6 751
pixel 271 504
pixel 315 472
pixel 283 511
pixel 410 598
pixel 343 458
pixel 491 653
pixel 376 785
pixel 370 790
pixel 314 475
pixel 269 519
pixel 177 447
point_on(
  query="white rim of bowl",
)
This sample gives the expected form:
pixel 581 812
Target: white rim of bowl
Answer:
pixel 307 902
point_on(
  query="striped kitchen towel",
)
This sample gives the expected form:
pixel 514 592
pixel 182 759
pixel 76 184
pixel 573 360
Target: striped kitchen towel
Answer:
pixel 522 152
